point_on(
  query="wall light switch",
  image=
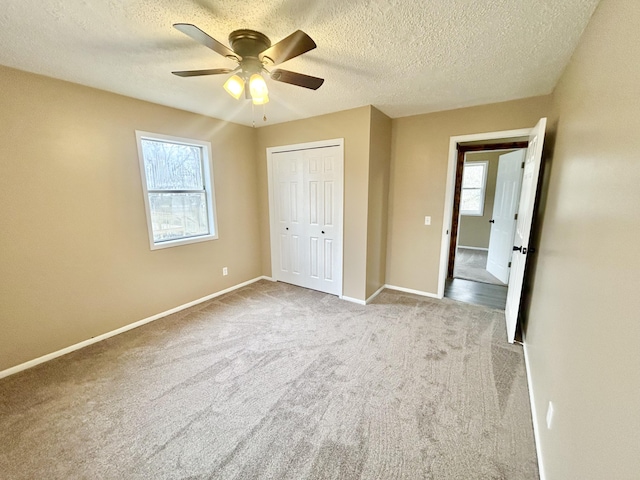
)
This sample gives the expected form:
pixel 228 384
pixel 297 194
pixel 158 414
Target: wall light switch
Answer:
pixel 427 220
pixel 225 271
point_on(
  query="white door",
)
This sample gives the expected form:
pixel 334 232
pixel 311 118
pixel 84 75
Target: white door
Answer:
pixel 290 224
pixel 523 226
pixel 306 187
pixel 505 207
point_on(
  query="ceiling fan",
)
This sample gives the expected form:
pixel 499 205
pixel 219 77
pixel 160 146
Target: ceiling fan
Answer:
pixel 253 52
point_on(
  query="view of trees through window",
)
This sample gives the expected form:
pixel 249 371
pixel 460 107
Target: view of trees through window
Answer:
pixel 176 189
pixel 472 195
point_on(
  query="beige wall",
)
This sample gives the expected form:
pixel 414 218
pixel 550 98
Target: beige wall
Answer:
pixel 74 247
pixel 379 164
pixel 76 261
pixel 583 331
pixel 419 157
pixel 475 231
pixel 353 126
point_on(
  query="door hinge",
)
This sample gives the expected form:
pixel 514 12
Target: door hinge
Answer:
pixel 522 166
pixel 509 265
pixel 515 216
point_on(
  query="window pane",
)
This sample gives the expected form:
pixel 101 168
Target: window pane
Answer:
pixel 470 200
pixel 472 176
pixel 178 215
pixel 170 166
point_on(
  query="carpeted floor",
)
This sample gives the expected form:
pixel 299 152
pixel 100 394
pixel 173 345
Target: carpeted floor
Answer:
pixel 278 382
pixel 471 264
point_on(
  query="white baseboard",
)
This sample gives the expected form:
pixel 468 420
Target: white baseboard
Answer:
pixel 377 292
pixel 390 287
pixel 474 248
pixel 415 292
pixel 534 416
pixel 353 300
pixel 131 326
pixel 363 302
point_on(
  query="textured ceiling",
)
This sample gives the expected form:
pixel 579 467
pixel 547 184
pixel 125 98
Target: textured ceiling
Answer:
pixel 403 56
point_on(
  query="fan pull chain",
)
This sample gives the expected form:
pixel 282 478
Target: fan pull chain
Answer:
pixel 253 115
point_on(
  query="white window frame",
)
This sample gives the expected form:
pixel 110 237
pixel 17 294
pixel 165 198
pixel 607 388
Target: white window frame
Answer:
pixel 483 190
pixel 207 170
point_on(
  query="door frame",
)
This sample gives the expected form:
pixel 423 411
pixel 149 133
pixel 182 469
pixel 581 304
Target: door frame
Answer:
pixel 453 186
pixel 273 228
pixel 455 216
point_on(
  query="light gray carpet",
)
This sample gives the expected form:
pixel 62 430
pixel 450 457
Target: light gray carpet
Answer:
pixel 278 382
pixel 472 265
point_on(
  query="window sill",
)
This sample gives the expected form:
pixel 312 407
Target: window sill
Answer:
pixel 182 241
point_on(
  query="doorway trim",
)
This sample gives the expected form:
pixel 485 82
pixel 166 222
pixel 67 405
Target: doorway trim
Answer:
pixel 457 193
pixel 336 142
pixel 450 191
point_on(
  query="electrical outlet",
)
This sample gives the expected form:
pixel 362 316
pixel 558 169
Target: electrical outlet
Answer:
pixel 225 271
pixel 427 220
pixel 549 415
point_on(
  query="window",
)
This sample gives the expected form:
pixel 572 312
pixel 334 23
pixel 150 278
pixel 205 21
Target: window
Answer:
pixel 474 180
pixel 178 191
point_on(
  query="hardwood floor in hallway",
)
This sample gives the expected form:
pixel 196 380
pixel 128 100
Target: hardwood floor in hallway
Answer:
pixel 494 296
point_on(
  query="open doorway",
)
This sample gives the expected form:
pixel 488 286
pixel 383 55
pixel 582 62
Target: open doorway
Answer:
pixel 521 244
pixel 488 180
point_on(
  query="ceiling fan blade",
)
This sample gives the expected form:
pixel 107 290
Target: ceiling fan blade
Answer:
pixel 197 73
pixel 298 79
pixel 206 40
pixel 295 44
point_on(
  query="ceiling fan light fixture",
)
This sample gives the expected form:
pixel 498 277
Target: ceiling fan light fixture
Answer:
pixel 258 89
pixel 234 86
pixel 261 100
pixel 253 51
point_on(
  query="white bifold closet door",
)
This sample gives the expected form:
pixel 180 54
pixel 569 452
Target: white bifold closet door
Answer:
pixel 306 207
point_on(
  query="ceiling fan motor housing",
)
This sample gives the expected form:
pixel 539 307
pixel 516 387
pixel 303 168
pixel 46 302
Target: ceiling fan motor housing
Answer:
pixel 249 44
